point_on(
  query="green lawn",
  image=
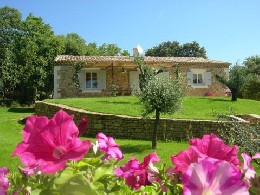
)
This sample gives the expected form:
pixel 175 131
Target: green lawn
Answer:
pixel 193 107
pixel 10 134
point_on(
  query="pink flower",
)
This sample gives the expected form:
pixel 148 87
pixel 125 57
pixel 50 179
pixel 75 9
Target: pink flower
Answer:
pixel 247 168
pixel 184 158
pixel 214 147
pixel 82 126
pixel 4 184
pixel 109 146
pixel 208 146
pixel 138 174
pixel 133 172
pixel 49 144
pixel 211 176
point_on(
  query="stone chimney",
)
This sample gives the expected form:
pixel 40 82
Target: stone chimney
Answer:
pixel 135 52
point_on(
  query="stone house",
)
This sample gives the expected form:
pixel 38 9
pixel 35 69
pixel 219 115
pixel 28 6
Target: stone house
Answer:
pixel 79 76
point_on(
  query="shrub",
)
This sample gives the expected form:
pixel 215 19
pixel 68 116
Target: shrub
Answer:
pixel 246 136
pixel 251 89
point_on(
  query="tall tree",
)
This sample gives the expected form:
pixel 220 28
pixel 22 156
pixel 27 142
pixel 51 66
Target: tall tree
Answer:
pixel 174 49
pixel 74 45
pixel 10 21
pixel 38 47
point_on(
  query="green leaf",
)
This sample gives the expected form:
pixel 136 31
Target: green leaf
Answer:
pixel 65 176
pixel 102 172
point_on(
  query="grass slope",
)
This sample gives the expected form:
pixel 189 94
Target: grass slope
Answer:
pixel 193 107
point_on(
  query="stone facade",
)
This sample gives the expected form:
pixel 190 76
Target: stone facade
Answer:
pixel 117 71
pixel 135 127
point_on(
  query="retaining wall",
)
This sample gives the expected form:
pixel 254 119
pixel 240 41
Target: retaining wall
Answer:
pixel 119 126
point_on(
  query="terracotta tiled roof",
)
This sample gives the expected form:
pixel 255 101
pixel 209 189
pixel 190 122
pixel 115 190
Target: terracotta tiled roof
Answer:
pixel 70 58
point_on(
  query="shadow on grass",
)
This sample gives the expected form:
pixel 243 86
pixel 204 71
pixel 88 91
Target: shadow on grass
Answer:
pixel 139 148
pixel 216 99
pixel 21 110
pixel 113 102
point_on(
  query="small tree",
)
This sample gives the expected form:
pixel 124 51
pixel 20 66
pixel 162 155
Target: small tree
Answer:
pixel 162 95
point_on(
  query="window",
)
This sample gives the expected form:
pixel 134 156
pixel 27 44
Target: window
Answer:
pixel 197 78
pixel 91 80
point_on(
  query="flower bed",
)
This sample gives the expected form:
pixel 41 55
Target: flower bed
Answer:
pixel 57 162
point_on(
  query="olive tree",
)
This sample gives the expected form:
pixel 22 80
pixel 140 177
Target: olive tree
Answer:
pixel 160 95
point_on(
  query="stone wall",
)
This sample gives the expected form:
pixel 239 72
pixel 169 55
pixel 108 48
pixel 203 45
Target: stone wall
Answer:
pixel 134 127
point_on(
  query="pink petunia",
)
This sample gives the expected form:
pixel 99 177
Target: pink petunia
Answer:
pixel 209 146
pixel 49 144
pixel 139 174
pixel 109 146
pixel 211 176
pixel 184 158
pixel 214 147
pixel 133 172
pixel 4 184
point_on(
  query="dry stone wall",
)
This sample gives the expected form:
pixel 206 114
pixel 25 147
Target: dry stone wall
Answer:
pixel 134 127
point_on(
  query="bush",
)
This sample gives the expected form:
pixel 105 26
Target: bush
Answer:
pixel 246 136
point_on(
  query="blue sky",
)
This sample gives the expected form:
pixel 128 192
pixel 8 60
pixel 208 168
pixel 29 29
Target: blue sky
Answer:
pixel 228 29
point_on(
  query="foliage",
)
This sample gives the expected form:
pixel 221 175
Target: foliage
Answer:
pixel 74 44
pixel 252 65
pixel 28 50
pixel 114 89
pixel 247 137
pixel 146 73
pixel 163 94
pixel 251 89
pixel 97 171
pixel 92 49
pixel 10 22
pixel 234 82
pixel 174 49
pixel 76 81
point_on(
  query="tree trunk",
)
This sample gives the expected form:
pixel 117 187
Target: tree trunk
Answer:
pixel 233 94
pixel 155 126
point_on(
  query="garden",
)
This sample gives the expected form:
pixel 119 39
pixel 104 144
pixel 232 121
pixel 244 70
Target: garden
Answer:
pixel 80 165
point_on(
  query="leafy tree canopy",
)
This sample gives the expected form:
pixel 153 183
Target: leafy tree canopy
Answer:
pixel 174 49
pixel 252 64
pixel 74 44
